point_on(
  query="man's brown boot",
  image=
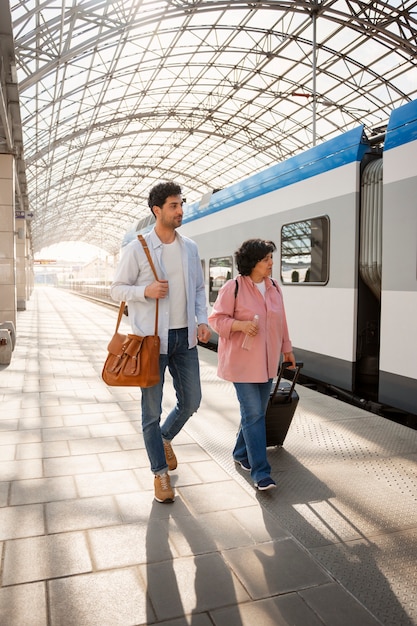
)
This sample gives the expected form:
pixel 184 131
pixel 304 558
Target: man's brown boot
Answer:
pixel 163 490
pixel 170 457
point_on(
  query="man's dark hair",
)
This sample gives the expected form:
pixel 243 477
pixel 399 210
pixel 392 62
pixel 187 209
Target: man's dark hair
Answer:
pixel 162 191
pixel 251 252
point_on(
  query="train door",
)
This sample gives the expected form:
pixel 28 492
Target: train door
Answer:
pixel 369 283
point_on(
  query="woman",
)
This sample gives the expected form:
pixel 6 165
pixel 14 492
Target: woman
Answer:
pixel 252 293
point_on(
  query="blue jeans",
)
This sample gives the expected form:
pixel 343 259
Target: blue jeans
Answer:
pixel 251 439
pixel 184 368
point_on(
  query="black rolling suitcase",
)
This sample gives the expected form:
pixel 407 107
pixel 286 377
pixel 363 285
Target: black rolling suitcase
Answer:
pixel 281 407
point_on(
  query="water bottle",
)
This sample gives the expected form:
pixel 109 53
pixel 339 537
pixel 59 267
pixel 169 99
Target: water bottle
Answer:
pixel 248 339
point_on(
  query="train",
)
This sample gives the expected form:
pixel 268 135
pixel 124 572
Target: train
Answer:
pixel 343 215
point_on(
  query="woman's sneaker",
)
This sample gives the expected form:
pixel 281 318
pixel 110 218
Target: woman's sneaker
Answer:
pixel 163 490
pixel 266 483
pixel 243 464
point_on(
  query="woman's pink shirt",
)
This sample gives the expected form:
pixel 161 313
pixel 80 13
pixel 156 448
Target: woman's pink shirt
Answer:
pixel 260 363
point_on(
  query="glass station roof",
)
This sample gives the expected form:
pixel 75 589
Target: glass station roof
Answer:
pixel 116 95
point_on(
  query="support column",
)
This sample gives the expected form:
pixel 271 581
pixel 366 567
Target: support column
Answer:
pixel 7 239
pixel 30 274
pixel 21 280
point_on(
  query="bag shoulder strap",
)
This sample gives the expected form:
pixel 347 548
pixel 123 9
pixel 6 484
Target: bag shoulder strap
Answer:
pixel 148 254
pixel 123 304
pixel 237 285
pixel 121 311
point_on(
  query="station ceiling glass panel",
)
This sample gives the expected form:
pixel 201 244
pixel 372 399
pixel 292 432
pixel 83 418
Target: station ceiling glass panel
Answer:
pixel 117 95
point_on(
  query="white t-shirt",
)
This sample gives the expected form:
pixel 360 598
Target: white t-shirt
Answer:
pixel 261 287
pixel 171 256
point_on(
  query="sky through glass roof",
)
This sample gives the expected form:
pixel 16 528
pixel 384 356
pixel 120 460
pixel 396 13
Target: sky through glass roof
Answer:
pixel 116 95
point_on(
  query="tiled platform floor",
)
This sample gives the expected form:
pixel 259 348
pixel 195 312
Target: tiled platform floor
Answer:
pixel 83 543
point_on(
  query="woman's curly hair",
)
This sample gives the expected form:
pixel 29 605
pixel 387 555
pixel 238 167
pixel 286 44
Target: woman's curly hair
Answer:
pixel 251 252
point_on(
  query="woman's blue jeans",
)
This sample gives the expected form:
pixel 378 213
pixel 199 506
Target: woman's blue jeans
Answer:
pixel 251 439
pixel 184 368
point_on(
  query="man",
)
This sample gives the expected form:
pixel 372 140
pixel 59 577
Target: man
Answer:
pixel 182 319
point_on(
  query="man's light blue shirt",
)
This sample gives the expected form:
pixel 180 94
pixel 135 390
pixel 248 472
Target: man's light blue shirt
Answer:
pixel 134 273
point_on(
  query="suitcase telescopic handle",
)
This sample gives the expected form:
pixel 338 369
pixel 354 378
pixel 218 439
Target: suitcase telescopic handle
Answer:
pixel 285 365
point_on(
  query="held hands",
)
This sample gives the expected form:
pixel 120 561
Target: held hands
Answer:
pixel 157 289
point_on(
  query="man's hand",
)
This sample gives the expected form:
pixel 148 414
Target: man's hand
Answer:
pixel 157 289
pixel 203 333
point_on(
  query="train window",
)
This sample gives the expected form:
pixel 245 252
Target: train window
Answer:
pixel 220 271
pixel 305 251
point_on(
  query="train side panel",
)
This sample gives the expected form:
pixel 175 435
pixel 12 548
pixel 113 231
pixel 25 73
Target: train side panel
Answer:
pixel 322 318
pixel 398 349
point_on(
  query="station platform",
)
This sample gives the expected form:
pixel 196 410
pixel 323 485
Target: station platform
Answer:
pixel 83 543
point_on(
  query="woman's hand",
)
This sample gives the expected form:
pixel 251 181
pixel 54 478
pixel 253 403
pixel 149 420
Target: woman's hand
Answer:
pixel 288 357
pixel 249 327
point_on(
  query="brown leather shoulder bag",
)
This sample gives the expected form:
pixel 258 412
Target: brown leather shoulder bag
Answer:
pixel 133 361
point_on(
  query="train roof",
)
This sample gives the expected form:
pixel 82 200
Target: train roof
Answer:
pixel 347 148
pixel 402 126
